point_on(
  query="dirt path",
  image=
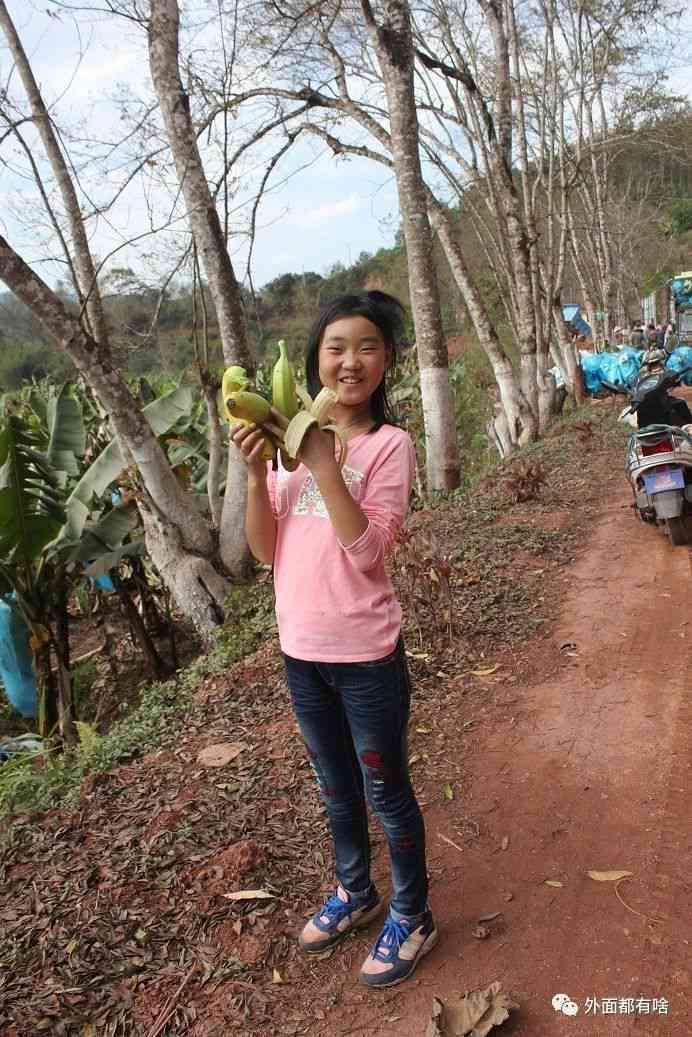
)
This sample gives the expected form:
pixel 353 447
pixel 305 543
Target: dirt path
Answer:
pixel 589 768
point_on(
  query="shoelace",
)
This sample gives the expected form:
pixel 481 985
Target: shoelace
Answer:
pixel 335 908
pixel 390 939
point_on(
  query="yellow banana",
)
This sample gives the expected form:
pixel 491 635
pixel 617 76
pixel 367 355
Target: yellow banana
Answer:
pixel 245 408
pixel 234 380
pixel 249 407
pixel 283 385
pixel 269 448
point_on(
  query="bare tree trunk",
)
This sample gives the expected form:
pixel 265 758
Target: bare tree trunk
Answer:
pixel 87 286
pixel 519 426
pixel 211 246
pixel 66 709
pixel 394 46
pixel 180 542
pixel 501 171
pixel 214 455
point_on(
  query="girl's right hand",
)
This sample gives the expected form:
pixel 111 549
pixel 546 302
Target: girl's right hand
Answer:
pixel 249 439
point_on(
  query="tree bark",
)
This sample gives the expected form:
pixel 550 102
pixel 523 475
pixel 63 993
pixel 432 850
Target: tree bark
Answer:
pixel 394 47
pixel 87 285
pixel 520 425
pixel 206 227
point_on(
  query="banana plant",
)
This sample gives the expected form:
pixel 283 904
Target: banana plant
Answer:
pixel 55 526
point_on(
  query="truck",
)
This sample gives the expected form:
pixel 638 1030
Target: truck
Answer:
pixel 681 306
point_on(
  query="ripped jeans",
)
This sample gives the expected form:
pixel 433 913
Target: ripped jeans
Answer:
pixel 353 718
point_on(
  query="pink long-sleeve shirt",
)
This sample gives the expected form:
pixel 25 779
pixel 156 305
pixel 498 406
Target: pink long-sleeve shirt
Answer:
pixel 336 603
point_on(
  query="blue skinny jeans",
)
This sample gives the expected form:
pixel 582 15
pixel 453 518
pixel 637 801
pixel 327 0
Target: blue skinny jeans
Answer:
pixel 353 718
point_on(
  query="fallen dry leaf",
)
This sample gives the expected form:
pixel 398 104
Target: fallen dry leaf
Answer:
pixel 481 932
pixel 490 917
pixel 553 882
pixel 608 876
pixel 505 842
pixel 220 754
pixel 475 1015
pixel 276 976
pixel 250 894
pixel 448 792
pixel 485 672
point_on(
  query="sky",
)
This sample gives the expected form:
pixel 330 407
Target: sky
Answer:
pixel 320 211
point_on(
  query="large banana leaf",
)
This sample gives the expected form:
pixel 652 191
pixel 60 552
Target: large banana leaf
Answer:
pixel 161 414
pixel 31 506
pixel 67 440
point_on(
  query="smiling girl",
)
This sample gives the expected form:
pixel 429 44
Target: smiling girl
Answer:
pixel 327 531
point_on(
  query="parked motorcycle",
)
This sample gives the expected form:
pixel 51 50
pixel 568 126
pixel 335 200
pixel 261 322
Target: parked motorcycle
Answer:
pixel 659 453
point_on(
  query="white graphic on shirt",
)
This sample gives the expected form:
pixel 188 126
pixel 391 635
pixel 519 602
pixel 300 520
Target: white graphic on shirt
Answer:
pixel 310 501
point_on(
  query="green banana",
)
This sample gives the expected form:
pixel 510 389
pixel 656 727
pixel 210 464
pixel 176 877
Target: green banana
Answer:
pixel 283 385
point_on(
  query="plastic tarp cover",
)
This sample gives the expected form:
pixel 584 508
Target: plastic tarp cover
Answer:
pixel 681 287
pixel 16 671
pixel 619 368
pixel 591 368
pixel 622 368
pixel 679 359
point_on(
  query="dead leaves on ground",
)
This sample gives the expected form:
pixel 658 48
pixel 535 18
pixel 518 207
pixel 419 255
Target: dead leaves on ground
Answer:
pixel 608 876
pixel 220 754
pixel 475 1015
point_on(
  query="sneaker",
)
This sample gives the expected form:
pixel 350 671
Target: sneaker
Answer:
pixel 398 949
pixel 342 913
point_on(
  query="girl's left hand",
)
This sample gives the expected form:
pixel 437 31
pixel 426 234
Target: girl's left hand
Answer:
pixel 317 451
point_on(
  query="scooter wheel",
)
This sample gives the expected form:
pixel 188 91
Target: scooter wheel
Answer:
pixel 679 530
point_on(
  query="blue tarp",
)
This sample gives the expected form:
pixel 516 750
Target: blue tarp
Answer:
pixel 16 670
pixel 572 314
pixel 681 288
pixel 679 359
pixel 622 368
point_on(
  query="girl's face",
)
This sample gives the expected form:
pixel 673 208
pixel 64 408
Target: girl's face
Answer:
pixel 353 358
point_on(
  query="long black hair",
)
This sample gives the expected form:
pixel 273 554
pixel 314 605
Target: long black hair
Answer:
pixel 382 310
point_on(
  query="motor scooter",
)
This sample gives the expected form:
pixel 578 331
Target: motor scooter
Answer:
pixel 659 452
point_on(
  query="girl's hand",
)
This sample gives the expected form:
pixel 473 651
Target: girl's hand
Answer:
pixel 249 440
pixel 317 451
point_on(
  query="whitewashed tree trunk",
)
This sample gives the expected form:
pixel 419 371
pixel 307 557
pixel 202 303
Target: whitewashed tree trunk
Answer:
pixel 206 227
pixel 178 538
pixel 520 421
pixel 511 214
pixel 394 46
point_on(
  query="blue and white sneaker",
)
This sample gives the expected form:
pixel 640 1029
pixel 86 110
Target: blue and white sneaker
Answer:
pixel 398 949
pixel 342 913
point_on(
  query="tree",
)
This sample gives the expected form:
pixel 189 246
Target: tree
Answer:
pixel 392 40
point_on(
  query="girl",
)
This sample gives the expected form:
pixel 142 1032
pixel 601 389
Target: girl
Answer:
pixel 327 532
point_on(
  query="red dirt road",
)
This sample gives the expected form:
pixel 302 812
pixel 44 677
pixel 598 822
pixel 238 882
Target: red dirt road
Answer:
pixel 589 768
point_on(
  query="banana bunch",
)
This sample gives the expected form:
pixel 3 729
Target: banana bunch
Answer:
pixel 283 423
pixel 246 408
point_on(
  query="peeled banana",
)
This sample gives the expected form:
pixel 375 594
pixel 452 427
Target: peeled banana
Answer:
pixel 283 386
pixel 316 413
